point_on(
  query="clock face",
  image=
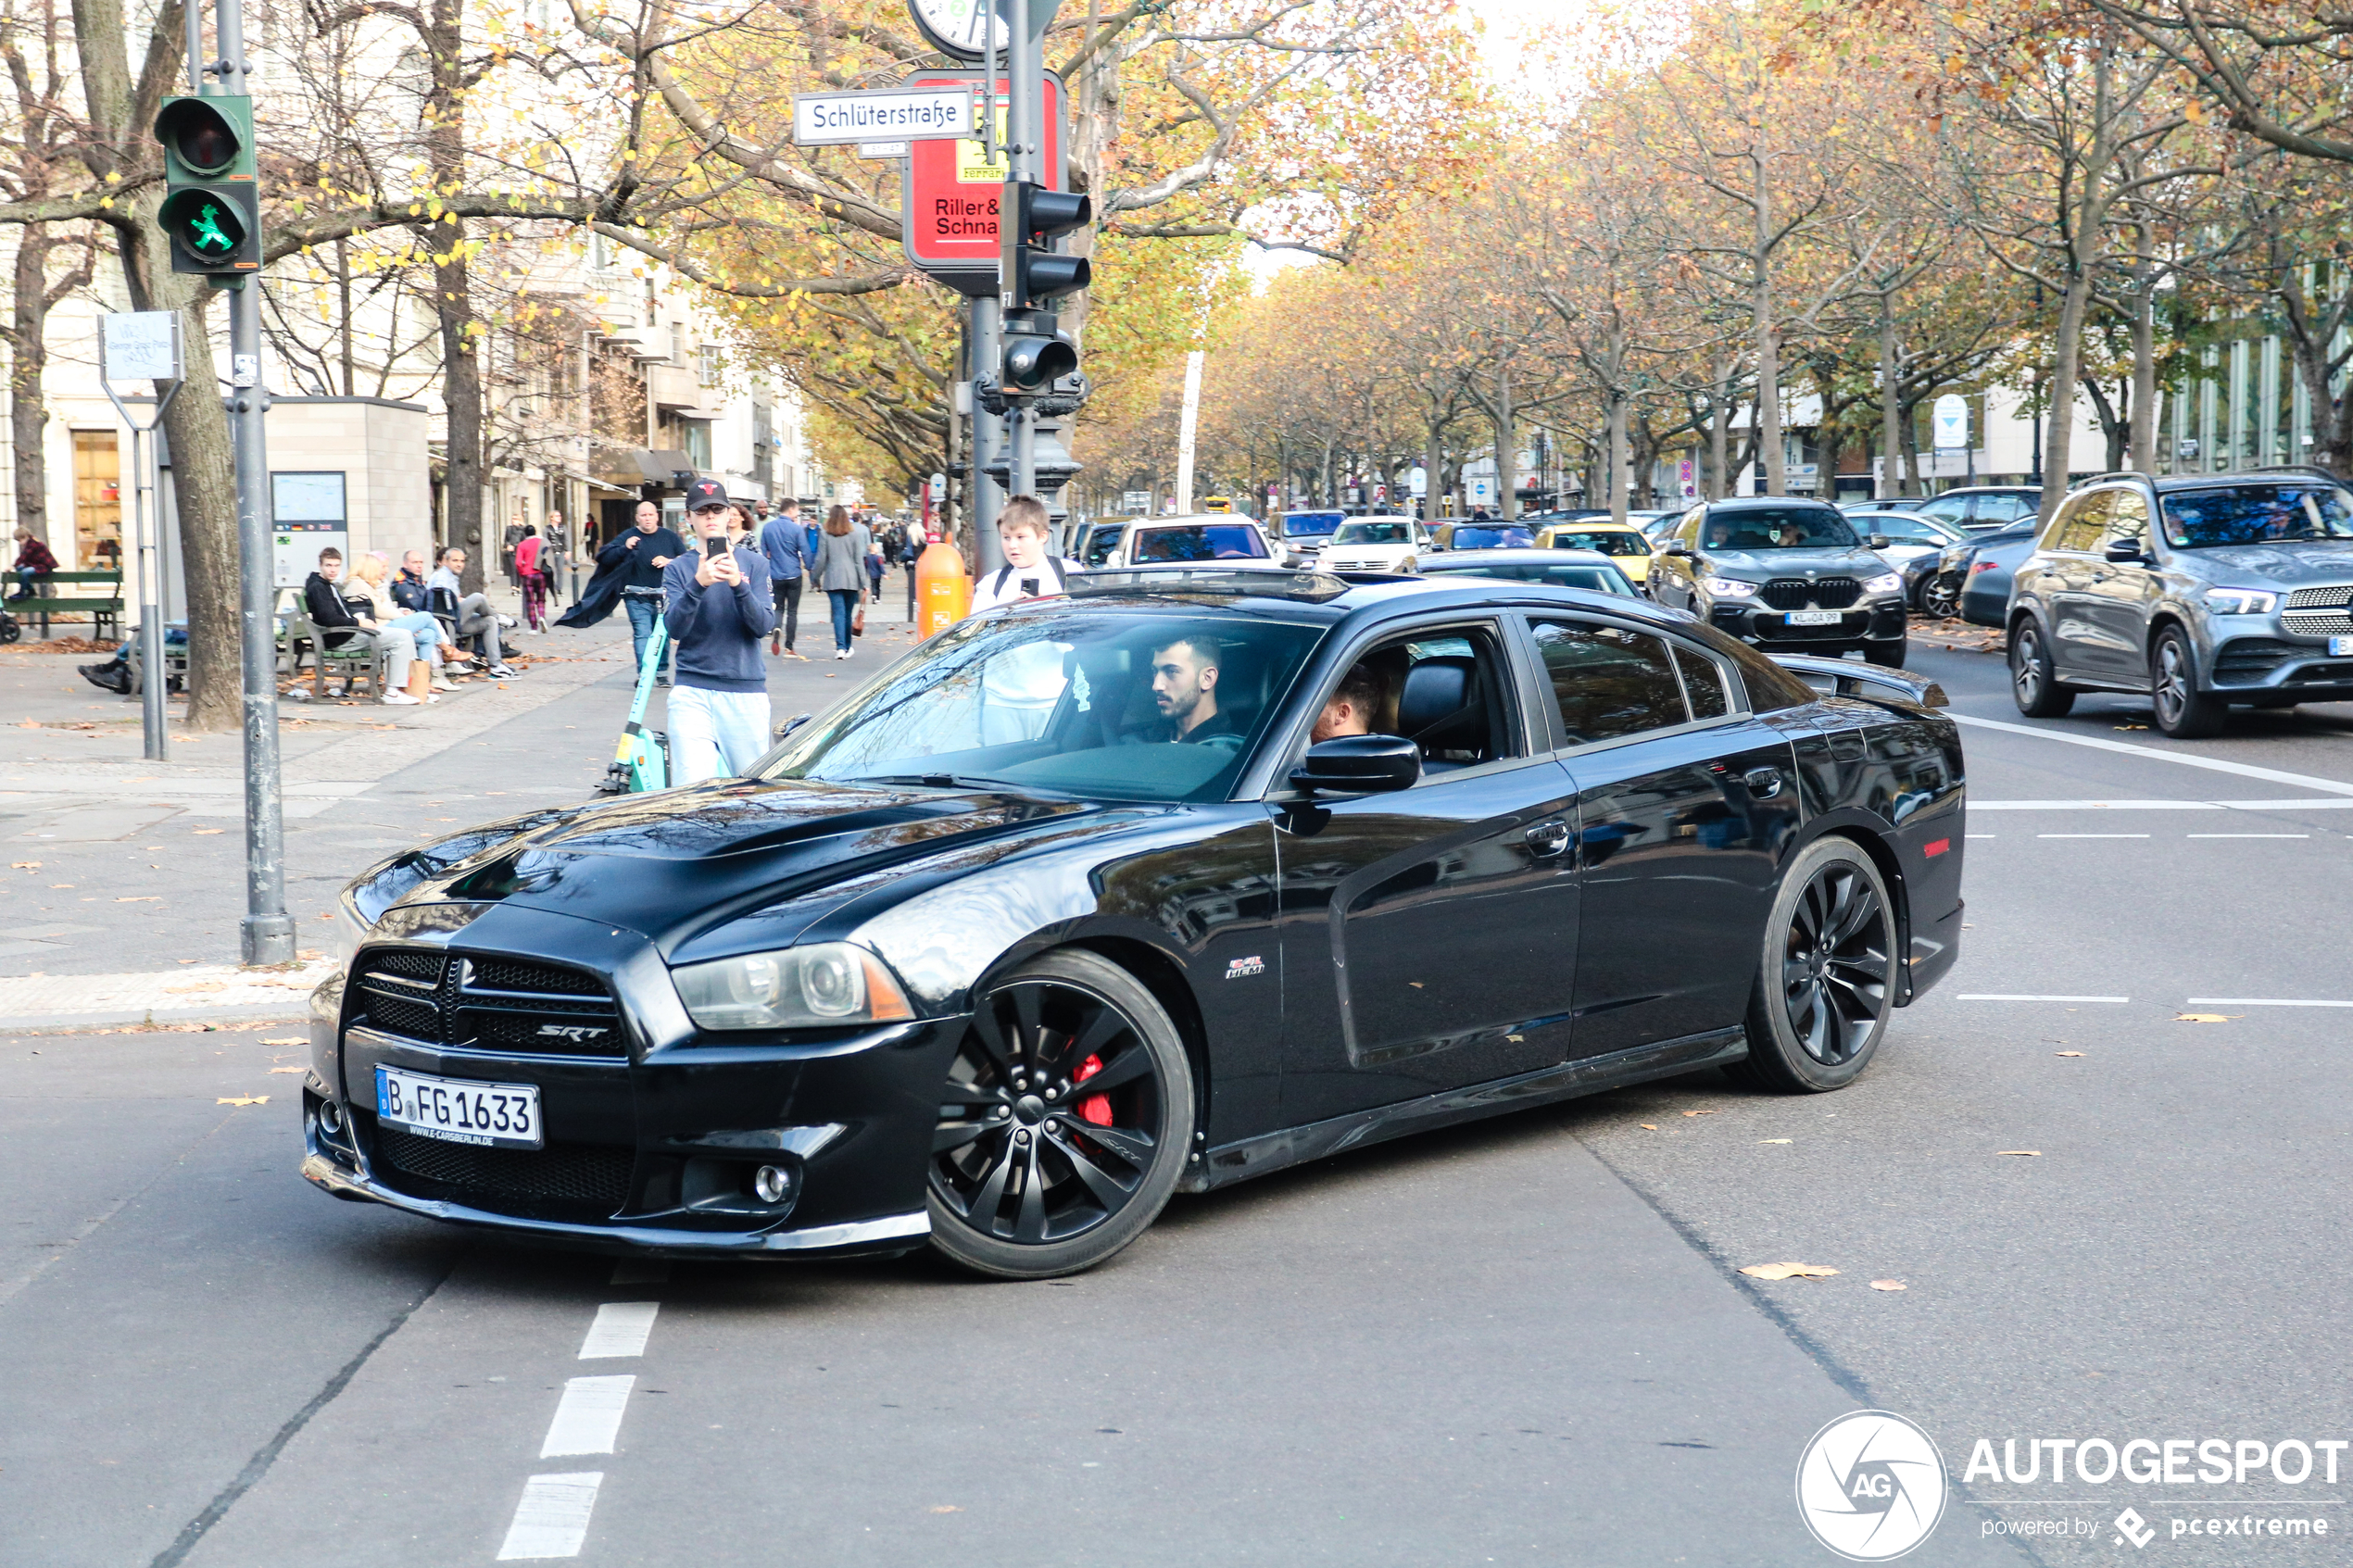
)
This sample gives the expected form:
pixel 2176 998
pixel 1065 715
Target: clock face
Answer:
pixel 969 29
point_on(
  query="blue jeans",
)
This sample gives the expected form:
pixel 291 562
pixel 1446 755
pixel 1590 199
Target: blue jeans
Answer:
pixel 845 605
pixel 643 614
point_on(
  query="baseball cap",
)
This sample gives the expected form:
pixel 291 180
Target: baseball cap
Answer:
pixel 705 492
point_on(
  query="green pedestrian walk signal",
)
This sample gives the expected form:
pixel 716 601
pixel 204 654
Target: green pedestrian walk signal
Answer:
pixel 212 210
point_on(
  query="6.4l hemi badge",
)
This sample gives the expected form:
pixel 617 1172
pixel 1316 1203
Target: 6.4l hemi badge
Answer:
pixel 1243 968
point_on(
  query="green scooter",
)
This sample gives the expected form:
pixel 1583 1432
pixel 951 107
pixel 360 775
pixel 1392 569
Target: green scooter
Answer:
pixel 642 760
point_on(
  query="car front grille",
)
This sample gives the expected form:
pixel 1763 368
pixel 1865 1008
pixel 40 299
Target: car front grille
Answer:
pixel 1827 592
pixel 494 1001
pixel 591 1175
pixel 2318 612
pixel 2244 660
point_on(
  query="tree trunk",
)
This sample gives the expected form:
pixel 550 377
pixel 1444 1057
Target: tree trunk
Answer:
pixel 2316 335
pixel 1891 448
pixel 1719 435
pixel 2142 454
pixel 29 358
pixel 1433 467
pixel 1768 346
pixel 1506 449
pixel 1620 461
pixel 453 293
pixel 2066 376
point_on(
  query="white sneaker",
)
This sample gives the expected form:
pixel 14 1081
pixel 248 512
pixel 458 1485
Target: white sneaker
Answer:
pixel 500 672
pixel 444 684
pixel 398 699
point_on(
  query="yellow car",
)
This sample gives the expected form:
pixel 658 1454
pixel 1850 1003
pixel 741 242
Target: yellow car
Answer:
pixel 1628 547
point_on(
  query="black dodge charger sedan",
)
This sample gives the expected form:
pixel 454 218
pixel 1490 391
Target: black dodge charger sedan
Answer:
pixel 1183 878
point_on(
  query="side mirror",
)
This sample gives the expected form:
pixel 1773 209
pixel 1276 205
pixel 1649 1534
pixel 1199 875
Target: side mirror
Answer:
pixel 2125 551
pixel 1879 541
pixel 1677 549
pixel 1359 765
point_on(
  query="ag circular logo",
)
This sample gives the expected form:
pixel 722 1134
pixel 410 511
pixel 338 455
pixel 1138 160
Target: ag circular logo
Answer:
pixel 1871 1486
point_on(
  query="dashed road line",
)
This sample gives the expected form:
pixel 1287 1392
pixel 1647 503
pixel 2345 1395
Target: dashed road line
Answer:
pixel 2262 1002
pixel 588 1416
pixel 620 1330
pixel 552 1519
pixel 2091 835
pixel 2012 996
pixel 2247 835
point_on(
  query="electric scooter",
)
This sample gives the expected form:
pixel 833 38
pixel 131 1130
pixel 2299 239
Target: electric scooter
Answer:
pixel 641 762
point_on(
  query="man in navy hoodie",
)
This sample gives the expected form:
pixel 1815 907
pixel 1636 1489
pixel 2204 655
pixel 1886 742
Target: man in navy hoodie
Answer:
pixel 719 606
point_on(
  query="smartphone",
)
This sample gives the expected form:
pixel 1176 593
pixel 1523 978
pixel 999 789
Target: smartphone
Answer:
pixel 715 547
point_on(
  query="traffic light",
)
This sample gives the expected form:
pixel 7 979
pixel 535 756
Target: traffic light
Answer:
pixel 1036 355
pixel 212 210
pixel 1030 217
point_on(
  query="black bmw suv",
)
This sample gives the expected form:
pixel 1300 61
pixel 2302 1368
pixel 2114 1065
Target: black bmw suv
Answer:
pixel 1789 574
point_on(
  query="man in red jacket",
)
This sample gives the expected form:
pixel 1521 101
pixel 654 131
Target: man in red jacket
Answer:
pixel 34 559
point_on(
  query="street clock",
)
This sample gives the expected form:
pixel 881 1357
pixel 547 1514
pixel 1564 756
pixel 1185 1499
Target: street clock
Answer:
pixel 969 29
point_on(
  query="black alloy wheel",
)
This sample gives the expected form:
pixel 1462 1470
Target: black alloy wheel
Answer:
pixel 1826 982
pixel 2033 686
pixel 1941 594
pixel 1064 1122
pixel 2181 710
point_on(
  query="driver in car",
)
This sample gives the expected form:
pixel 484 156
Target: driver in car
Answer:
pixel 1185 691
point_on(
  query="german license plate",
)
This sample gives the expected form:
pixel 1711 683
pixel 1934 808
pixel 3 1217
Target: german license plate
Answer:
pixel 459 1110
pixel 1815 617
pixel 2339 646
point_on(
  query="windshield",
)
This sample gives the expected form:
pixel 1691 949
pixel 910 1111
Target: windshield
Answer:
pixel 1102 543
pixel 1779 528
pixel 1472 537
pixel 1311 525
pixel 1101 702
pixel 1374 534
pixel 1607 542
pixel 1214 540
pixel 1565 574
pixel 2256 514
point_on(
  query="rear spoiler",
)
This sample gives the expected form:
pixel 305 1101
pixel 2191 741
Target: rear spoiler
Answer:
pixel 1846 678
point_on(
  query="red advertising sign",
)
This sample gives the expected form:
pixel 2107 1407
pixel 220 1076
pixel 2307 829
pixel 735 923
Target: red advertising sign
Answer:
pixel 949 191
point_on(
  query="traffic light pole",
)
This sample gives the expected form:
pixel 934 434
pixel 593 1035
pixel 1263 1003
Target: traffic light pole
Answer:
pixel 267 934
pixel 989 439
pixel 1025 139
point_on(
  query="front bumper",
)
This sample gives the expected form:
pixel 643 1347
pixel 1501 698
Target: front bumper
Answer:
pixel 651 1149
pixel 1873 621
pixel 2275 661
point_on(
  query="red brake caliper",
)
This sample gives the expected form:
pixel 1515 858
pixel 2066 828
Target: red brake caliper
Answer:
pixel 1094 1108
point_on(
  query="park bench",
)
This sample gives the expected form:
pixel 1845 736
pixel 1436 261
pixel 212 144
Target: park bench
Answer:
pixel 360 658
pixel 105 610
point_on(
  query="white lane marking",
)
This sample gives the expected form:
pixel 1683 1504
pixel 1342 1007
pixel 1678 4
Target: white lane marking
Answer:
pixel 641 1270
pixel 2242 769
pixel 588 1417
pixel 2002 996
pixel 1979 836
pixel 620 1330
pixel 2261 1002
pixel 2091 835
pixel 2247 835
pixel 552 1519
pixel 2324 803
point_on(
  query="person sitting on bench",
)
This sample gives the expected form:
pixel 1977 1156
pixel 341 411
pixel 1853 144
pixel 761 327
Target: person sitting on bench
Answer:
pixel 338 625
pixel 34 559
pixel 470 612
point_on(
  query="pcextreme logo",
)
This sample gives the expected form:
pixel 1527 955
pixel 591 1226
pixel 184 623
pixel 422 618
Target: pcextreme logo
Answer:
pixel 1871 1486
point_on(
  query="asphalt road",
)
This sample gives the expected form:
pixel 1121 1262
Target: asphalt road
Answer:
pixel 1520 1342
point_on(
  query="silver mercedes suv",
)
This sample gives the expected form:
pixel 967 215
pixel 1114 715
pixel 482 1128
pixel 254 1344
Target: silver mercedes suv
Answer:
pixel 2202 590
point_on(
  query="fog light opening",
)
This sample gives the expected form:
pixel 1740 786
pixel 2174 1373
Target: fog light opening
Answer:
pixel 330 1118
pixel 772 1184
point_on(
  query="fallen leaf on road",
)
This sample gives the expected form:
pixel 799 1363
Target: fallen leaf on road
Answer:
pixel 1887 1285
pixel 2066 1053
pixel 139 898
pixel 1414 984
pixel 2024 1153
pixel 202 832
pixel 1772 1140
pixel 286 1040
pixel 1699 1113
pixel 55 885
pixel 243 1099
pixel 2206 1017
pixel 1648 1126
pixel 1788 1271
pixel 24 865
pixel 286 1069
pixel 947 1508
pixel 2131 726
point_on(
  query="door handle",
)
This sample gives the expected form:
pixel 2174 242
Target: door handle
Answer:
pixel 1549 837
pixel 1763 782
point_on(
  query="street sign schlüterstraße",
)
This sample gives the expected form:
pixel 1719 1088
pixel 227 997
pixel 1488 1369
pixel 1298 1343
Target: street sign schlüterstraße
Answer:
pixel 899 114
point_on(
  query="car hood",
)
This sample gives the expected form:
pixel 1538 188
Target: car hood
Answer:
pixel 679 862
pixel 1763 565
pixel 2289 563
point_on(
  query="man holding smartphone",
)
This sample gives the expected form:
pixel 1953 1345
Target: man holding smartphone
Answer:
pixel 720 608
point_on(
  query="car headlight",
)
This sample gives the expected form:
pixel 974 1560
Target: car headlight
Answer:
pixel 1727 587
pixel 1885 582
pixel 816 986
pixel 2240 601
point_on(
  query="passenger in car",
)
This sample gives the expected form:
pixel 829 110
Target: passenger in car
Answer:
pixel 1185 675
pixel 1354 708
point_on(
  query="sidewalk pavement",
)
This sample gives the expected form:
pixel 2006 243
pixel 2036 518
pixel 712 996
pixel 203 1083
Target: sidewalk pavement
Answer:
pixel 127 877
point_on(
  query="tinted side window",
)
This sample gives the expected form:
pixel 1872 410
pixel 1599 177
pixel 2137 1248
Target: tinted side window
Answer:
pixel 1609 683
pixel 1704 683
pixel 2003 508
pixel 2127 519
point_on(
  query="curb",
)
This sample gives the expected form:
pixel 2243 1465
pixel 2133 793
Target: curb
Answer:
pixel 225 1017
